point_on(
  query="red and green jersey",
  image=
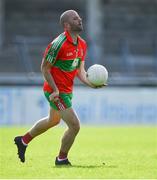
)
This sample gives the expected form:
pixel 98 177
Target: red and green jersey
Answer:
pixel 65 57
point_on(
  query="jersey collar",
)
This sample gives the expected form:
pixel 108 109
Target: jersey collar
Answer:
pixel 69 38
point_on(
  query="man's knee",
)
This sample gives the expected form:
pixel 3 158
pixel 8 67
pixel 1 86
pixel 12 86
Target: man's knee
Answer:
pixel 75 127
pixel 53 122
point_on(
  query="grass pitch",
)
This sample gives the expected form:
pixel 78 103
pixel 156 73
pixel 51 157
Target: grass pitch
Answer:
pixel 99 152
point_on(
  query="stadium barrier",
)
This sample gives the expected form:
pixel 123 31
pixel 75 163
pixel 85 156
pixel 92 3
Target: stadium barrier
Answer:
pixel 113 106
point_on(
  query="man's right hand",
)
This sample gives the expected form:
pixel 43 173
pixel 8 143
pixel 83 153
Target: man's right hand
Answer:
pixel 54 96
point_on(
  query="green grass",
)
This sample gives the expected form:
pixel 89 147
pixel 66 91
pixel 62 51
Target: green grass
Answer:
pixel 99 152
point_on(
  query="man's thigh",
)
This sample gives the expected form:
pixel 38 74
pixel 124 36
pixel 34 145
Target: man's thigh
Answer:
pixel 54 116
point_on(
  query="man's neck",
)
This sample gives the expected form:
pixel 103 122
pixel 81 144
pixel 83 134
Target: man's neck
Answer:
pixel 74 37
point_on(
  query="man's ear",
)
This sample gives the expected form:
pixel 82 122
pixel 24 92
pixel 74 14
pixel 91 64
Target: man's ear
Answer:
pixel 66 25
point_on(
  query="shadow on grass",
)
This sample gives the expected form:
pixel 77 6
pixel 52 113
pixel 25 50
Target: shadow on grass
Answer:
pixel 94 166
pixel 88 166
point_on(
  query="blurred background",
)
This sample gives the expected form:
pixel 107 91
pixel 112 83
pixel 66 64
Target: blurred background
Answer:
pixel 121 35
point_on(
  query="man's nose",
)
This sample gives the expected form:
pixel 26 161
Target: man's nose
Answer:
pixel 80 20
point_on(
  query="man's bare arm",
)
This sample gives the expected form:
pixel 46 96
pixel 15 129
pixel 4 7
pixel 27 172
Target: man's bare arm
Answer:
pixel 82 75
pixel 45 69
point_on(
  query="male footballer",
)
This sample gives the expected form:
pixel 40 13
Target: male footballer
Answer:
pixel 63 60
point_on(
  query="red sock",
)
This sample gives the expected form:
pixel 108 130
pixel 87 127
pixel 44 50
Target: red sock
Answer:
pixel 62 155
pixel 27 138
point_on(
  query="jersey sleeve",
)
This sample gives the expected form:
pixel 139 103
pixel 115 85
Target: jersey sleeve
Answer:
pixel 54 48
pixel 50 54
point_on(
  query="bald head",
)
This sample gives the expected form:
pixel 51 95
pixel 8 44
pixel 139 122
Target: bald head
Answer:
pixel 71 21
pixel 64 18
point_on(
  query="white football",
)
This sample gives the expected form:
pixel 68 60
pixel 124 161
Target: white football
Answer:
pixel 97 74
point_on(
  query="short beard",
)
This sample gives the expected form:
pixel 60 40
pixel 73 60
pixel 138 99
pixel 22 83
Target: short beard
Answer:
pixel 76 29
